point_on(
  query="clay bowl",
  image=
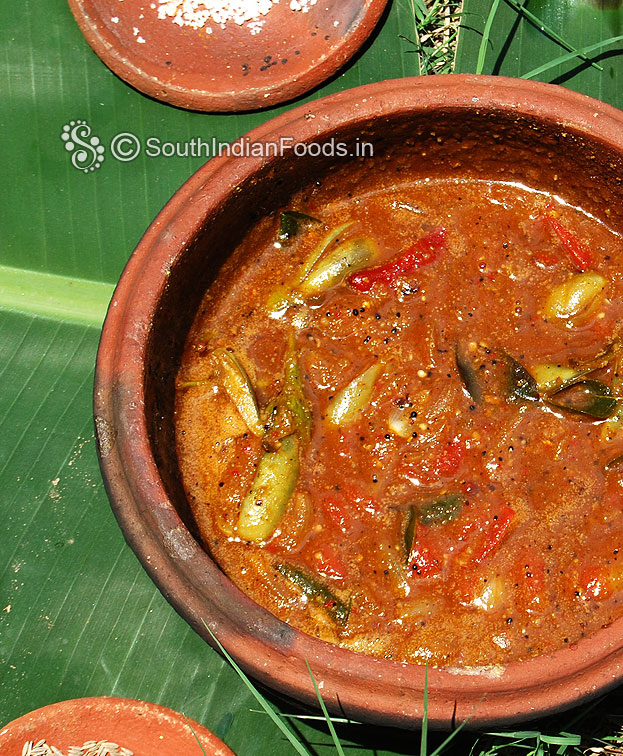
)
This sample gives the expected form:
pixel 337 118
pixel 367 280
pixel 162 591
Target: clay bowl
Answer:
pixel 232 68
pixel 145 729
pixel 542 135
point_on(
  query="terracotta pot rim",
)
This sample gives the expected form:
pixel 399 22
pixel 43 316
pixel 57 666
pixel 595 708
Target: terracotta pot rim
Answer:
pixel 156 82
pixel 533 687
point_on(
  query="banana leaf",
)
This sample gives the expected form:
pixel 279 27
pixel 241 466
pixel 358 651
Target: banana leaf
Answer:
pixel 78 614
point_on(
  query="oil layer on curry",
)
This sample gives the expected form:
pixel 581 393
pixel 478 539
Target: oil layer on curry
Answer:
pixel 399 420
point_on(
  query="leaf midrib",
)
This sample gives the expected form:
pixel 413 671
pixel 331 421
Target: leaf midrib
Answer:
pixel 62 298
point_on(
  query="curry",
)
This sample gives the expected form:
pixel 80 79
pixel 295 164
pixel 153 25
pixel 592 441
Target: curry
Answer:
pixel 400 421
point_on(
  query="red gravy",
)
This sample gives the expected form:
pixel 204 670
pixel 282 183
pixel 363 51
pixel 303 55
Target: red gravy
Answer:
pixel 400 420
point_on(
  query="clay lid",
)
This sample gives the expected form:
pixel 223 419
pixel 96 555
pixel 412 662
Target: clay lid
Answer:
pixel 145 729
pixel 202 65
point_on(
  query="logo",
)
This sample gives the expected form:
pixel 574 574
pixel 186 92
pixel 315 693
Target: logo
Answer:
pixel 87 152
pixel 125 146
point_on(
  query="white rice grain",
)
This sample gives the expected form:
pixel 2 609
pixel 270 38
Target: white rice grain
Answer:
pixel 90 748
pixel 198 13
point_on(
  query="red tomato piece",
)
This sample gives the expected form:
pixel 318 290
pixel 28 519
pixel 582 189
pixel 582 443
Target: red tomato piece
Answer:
pixel 593 584
pixel 545 259
pixel 422 561
pixel 423 252
pixel 328 564
pixel 334 509
pixel 361 502
pixel 497 531
pixel 446 465
pixel 531 582
pixel 450 459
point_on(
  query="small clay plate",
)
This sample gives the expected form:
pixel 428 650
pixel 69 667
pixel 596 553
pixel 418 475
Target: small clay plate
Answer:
pixel 144 729
pixel 197 64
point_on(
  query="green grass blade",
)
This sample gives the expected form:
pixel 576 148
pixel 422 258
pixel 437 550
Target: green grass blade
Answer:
pixel 298 747
pixel 435 34
pixel 336 740
pixel 484 42
pixel 518 735
pixel 313 718
pixel 455 732
pixel 432 11
pixel 521 8
pixel 192 729
pixel 424 735
pixel 450 738
pixel 416 32
pixel 564 739
pixel 581 53
pixel 419 9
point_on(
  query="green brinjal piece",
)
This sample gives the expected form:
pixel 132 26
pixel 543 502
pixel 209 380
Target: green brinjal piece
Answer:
pixel 238 386
pixel 331 269
pixel 588 397
pixel 438 512
pixel 332 235
pixel 551 376
pixel 347 405
pixel 468 373
pixel 337 609
pixel 613 427
pixel 577 299
pixel 286 295
pixel 488 372
pixel 290 412
pixel 274 482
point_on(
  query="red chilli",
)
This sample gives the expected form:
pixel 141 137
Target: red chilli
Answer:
pixel 423 252
pixel 580 255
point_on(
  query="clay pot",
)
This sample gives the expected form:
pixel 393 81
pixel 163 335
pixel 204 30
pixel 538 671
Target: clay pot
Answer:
pixel 542 135
pixel 143 728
